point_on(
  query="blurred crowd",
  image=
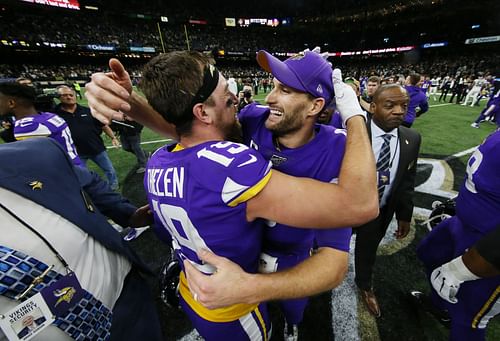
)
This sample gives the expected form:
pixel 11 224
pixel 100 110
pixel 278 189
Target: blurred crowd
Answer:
pixel 384 67
pixel 358 27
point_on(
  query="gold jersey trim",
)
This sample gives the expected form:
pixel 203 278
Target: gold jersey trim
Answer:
pixel 252 191
pixel 178 147
pixel 25 137
pixel 486 307
pixel 226 314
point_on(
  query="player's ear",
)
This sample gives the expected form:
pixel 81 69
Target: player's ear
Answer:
pixel 11 103
pixel 317 105
pixel 200 113
pixel 372 107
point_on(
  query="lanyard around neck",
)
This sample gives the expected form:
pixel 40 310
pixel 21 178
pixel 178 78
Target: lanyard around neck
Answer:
pixel 61 259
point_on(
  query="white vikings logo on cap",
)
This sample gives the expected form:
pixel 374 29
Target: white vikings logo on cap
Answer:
pixel 319 89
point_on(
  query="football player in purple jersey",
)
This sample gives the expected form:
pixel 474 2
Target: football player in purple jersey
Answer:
pixel 418 101
pixel 492 109
pixel 426 84
pixel 286 133
pixel 207 192
pixel 18 99
pixel 477 214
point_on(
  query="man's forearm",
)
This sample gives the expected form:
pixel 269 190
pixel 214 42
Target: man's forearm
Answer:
pixel 321 272
pixel 484 258
pixel 109 132
pixel 358 173
pixel 143 113
pixel 478 265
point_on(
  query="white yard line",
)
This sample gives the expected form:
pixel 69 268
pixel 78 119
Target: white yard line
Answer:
pixel 463 152
pixel 146 142
pixel 439 105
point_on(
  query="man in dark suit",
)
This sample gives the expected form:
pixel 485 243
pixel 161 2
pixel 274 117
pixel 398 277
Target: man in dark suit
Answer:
pixel 50 215
pixel 396 151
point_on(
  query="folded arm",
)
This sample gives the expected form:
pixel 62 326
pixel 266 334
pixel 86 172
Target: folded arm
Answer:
pixel 230 284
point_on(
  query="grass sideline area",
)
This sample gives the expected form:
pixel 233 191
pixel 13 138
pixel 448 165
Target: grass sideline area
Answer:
pixel 445 131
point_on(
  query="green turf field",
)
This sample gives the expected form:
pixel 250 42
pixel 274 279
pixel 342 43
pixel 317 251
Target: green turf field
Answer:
pixel 445 131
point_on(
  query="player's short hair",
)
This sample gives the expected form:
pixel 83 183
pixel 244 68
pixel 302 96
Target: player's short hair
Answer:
pixel 414 78
pixel 19 91
pixel 374 79
pixel 172 82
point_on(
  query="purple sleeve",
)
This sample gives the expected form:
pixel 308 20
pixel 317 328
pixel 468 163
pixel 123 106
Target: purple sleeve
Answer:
pixel 477 201
pixel 29 127
pixel 236 171
pixel 424 104
pixel 338 238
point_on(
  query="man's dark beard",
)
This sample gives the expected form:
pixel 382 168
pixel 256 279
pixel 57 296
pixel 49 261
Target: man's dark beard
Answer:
pixel 282 131
pixel 234 133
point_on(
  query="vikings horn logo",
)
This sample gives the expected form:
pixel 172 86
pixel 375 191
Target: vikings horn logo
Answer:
pixel 384 179
pixel 36 185
pixel 64 294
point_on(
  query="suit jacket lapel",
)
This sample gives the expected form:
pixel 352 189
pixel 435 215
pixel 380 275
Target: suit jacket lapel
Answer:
pixel 404 152
pixel 369 127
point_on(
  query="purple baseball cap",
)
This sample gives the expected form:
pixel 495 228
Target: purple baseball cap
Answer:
pixel 307 72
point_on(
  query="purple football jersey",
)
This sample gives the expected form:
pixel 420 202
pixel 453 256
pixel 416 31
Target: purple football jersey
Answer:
pixel 426 85
pixel 198 195
pixel 478 202
pixel 417 99
pixel 494 100
pixel 336 120
pixel 50 125
pixel 319 159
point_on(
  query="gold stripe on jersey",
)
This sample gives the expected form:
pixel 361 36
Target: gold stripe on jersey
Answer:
pixel 262 323
pixel 226 314
pixel 493 298
pixel 25 137
pixel 251 192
